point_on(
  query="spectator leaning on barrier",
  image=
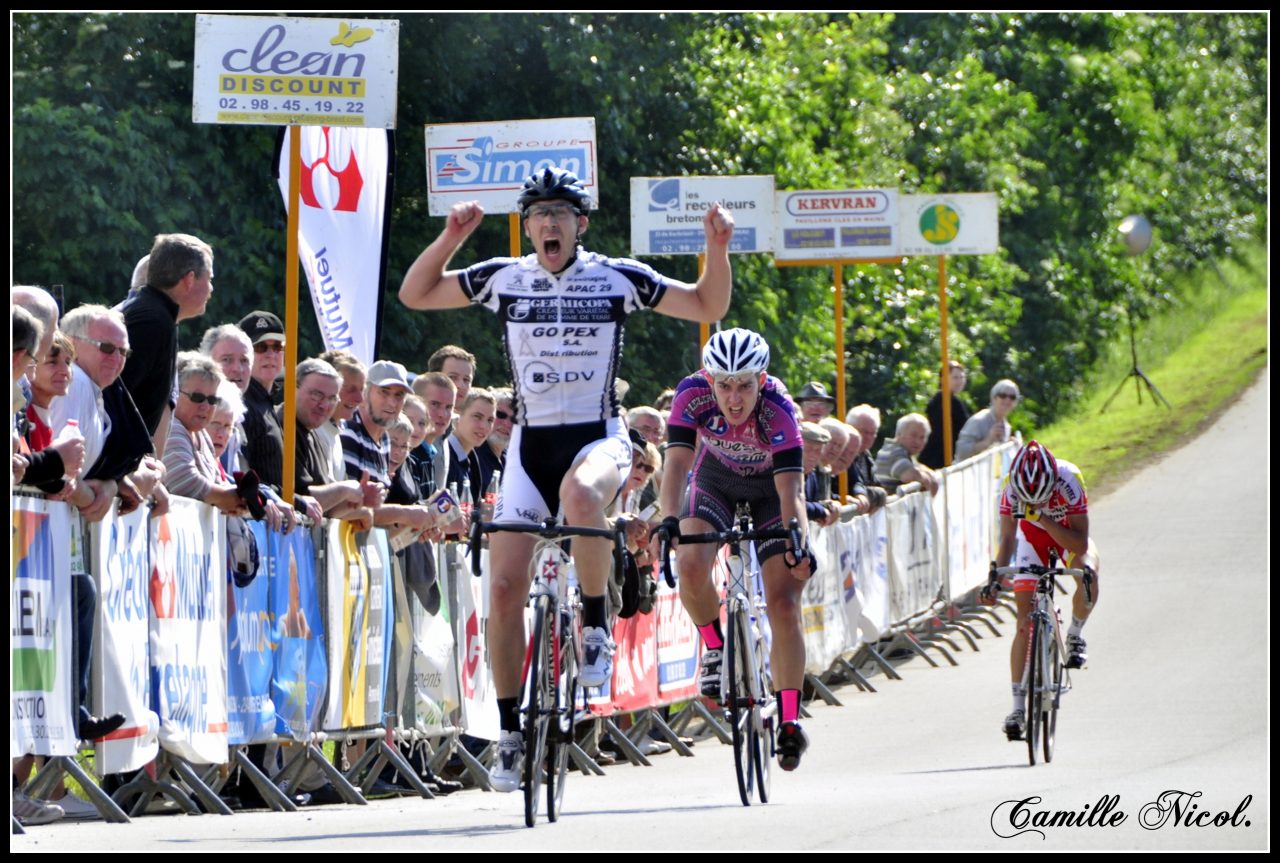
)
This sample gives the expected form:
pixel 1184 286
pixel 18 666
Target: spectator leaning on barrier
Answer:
pixel 179 284
pixel 932 455
pixel 865 419
pixel 192 465
pixel 814 402
pixel 470 432
pixel 316 397
pixel 350 395
pixel 493 455
pixel 439 393
pixel 896 463
pixel 819 510
pixel 989 426
pixel 457 364
pixel 856 491
pixel 264 439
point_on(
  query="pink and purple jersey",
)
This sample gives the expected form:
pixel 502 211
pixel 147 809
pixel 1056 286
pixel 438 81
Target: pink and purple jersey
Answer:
pixel 768 442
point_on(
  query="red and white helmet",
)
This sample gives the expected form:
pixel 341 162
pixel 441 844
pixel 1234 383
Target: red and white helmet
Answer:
pixel 1033 474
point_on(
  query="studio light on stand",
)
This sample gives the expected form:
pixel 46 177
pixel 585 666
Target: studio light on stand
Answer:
pixel 1135 233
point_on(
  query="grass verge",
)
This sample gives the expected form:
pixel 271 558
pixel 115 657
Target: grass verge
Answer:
pixel 1201 355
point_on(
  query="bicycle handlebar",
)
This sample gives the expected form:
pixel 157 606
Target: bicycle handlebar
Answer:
pixel 733 534
pixel 549 529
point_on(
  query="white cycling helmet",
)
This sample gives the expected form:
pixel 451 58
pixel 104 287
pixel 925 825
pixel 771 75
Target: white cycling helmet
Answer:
pixel 1033 474
pixel 735 352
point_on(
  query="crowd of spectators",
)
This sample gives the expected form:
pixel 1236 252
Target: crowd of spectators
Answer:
pixel 374 444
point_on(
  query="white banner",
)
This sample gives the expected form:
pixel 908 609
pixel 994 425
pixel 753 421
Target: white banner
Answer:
pixel 479 699
pixel 189 631
pixel 667 213
pixel 41 688
pixel 914 568
pixel 121 554
pixel 964 224
pixel 822 613
pixel 489 162
pixel 850 224
pixel 343 229
pixel 435 673
pixel 293 71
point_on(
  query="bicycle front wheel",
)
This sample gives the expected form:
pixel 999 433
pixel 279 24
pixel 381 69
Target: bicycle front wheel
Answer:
pixel 565 699
pixel 537 687
pixel 1054 677
pixel 1035 690
pixel 762 722
pixel 738 703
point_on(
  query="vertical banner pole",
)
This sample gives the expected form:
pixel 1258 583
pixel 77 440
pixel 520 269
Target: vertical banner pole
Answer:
pixel 946 363
pixel 513 221
pixel 843 478
pixel 290 429
pixel 704 329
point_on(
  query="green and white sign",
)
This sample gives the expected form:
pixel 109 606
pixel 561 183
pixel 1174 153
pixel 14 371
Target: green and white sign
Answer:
pixel 963 224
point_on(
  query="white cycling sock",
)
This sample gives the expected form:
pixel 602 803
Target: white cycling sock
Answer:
pixel 1076 625
pixel 1019 697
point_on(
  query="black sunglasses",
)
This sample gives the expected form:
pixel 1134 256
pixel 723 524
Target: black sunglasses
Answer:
pixel 201 398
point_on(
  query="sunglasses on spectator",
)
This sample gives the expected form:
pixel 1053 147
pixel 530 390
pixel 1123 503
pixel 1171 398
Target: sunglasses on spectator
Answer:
pixel 502 415
pixel 1007 396
pixel 106 347
pixel 647 468
pixel 201 398
pixel 263 347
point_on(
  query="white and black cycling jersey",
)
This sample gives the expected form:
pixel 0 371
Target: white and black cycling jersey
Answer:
pixel 563 333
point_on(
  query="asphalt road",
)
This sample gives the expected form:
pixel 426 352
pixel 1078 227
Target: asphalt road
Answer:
pixel 1175 699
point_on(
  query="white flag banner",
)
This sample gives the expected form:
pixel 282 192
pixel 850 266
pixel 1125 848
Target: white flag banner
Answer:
pixel 343 229
pixel 121 549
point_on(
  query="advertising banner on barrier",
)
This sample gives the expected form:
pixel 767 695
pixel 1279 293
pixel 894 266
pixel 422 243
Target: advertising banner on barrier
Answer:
pixel 251 651
pixel 479 701
pixel 914 570
pixel 300 677
pixel 357 610
pixel 867 610
pixel 820 607
pixel 435 673
pixel 189 631
pixel 635 664
pixel 41 689
pixel 377 556
pixel 677 649
pixel 120 551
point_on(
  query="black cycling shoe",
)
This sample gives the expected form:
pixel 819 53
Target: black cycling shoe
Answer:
pixel 792 743
pixel 1015 725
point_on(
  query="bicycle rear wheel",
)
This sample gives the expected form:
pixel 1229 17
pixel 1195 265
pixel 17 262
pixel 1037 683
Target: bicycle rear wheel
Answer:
pixel 1054 676
pixel 538 703
pixel 565 699
pixel 762 725
pixel 1035 690
pixel 738 704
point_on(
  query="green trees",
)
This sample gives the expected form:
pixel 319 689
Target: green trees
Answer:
pixel 1075 120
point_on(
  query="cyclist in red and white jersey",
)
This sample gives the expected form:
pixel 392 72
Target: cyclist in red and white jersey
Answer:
pixel 1044 507
pixel 750 451
pixel 562 310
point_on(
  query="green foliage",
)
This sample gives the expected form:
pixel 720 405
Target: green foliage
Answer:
pixel 1075 120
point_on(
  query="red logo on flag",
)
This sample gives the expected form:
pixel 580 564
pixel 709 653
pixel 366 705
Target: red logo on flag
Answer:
pixel 337 166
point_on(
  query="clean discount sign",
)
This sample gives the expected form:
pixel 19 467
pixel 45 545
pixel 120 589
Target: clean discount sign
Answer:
pixel 295 71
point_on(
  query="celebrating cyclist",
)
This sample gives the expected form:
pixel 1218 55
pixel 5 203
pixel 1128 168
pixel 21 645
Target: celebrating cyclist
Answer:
pixel 751 452
pixel 562 310
pixel 1043 508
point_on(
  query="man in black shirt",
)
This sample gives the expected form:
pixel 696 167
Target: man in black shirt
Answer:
pixel 179 284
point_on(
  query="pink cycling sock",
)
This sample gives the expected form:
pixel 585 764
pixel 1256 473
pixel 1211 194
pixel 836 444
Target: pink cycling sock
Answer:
pixel 711 635
pixel 789 704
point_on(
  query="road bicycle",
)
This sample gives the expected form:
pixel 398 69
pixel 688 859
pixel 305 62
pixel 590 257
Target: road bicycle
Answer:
pixel 746 689
pixel 1044 677
pixel 549 692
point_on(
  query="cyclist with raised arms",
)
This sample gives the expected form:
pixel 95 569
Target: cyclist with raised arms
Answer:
pixel 751 452
pixel 562 310
pixel 1044 507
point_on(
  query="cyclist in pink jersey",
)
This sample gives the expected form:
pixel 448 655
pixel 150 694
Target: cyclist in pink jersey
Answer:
pixel 1044 507
pixel 751 452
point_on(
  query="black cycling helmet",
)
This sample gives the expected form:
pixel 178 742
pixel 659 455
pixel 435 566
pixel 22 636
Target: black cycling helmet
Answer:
pixel 554 184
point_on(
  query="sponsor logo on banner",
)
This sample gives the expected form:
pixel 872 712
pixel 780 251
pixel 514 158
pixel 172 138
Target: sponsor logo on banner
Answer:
pixel 342 230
